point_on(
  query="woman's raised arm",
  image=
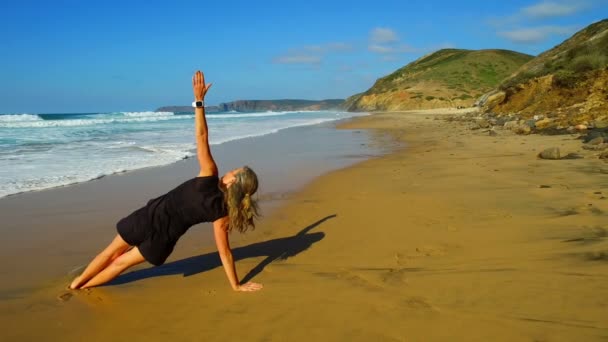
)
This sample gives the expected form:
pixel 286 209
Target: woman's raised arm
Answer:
pixel 205 159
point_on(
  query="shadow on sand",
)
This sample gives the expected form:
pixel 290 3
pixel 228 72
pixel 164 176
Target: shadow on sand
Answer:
pixel 282 248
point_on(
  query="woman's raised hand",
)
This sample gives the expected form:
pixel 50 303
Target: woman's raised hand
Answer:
pixel 250 287
pixel 199 87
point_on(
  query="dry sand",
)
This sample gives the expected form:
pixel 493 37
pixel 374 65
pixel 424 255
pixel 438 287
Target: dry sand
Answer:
pixel 451 238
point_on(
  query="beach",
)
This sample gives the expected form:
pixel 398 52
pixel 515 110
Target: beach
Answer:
pixel 431 231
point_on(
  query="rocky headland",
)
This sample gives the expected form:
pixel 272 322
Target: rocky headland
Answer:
pixel 263 106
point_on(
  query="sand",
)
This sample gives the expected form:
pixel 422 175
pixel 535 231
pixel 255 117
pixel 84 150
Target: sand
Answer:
pixel 455 236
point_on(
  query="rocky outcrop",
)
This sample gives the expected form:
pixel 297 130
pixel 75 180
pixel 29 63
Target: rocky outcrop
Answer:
pixel 594 136
pixel 567 84
pixel 580 105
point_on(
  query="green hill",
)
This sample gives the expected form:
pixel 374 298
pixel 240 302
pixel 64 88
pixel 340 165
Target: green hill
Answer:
pixel 567 83
pixel 445 78
pixel 586 50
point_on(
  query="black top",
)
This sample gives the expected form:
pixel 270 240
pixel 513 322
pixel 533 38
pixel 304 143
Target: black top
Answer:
pixel 172 214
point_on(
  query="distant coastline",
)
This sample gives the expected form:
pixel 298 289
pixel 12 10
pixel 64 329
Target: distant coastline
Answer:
pixel 262 106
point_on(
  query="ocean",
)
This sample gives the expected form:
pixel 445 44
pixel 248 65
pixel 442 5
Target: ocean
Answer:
pixel 42 151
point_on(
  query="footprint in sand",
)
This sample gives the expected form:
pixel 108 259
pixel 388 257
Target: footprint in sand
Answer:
pixel 395 277
pixel 350 277
pixel 596 256
pixel 589 235
pixel 417 303
pixel 86 295
pixel 65 296
pixel 399 259
pixel 588 208
pixel 430 250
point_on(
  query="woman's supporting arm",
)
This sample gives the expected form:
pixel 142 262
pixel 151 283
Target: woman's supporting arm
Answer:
pixel 205 159
pixel 220 232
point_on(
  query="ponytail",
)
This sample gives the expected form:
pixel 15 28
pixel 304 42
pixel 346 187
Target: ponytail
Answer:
pixel 242 208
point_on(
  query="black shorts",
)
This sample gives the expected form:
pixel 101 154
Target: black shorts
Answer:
pixel 155 247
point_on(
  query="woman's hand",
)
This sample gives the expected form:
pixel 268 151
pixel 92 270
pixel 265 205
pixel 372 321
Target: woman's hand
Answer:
pixel 199 87
pixel 249 287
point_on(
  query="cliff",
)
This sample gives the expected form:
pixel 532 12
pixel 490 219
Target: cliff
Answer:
pixel 278 105
pixel 185 109
pixel 263 106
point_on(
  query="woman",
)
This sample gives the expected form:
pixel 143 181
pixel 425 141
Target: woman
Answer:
pixel 150 233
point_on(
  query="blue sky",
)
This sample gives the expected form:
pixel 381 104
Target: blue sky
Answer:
pixel 87 56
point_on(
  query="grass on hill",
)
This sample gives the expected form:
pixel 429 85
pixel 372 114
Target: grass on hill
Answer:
pixel 466 72
pixel 569 62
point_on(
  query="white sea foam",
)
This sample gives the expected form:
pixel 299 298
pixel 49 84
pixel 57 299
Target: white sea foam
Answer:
pixel 147 114
pixel 88 122
pixel 74 167
pixel 19 118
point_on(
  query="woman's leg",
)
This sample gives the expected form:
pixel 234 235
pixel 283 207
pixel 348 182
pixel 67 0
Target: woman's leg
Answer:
pixel 128 259
pixel 116 248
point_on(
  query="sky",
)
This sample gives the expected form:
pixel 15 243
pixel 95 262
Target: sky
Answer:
pixel 130 55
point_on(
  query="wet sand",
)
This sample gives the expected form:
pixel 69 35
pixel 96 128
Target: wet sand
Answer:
pixel 457 236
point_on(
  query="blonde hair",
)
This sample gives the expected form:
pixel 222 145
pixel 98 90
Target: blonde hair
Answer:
pixel 242 208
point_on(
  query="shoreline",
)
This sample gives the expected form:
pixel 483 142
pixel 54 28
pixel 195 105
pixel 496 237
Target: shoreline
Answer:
pixel 454 231
pixel 190 154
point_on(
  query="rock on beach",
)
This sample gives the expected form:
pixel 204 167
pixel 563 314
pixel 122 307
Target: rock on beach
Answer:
pixel 550 153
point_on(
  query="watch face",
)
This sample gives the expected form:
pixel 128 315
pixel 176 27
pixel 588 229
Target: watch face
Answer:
pixel 199 103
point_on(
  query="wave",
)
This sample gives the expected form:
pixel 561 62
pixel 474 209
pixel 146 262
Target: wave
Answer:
pixel 88 122
pixel 19 118
pixel 154 156
pixel 36 121
pixel 147 114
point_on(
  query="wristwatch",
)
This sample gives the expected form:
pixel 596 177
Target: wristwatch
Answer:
pixel 198 104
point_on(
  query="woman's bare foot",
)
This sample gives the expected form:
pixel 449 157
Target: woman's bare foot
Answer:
pixel 75 283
